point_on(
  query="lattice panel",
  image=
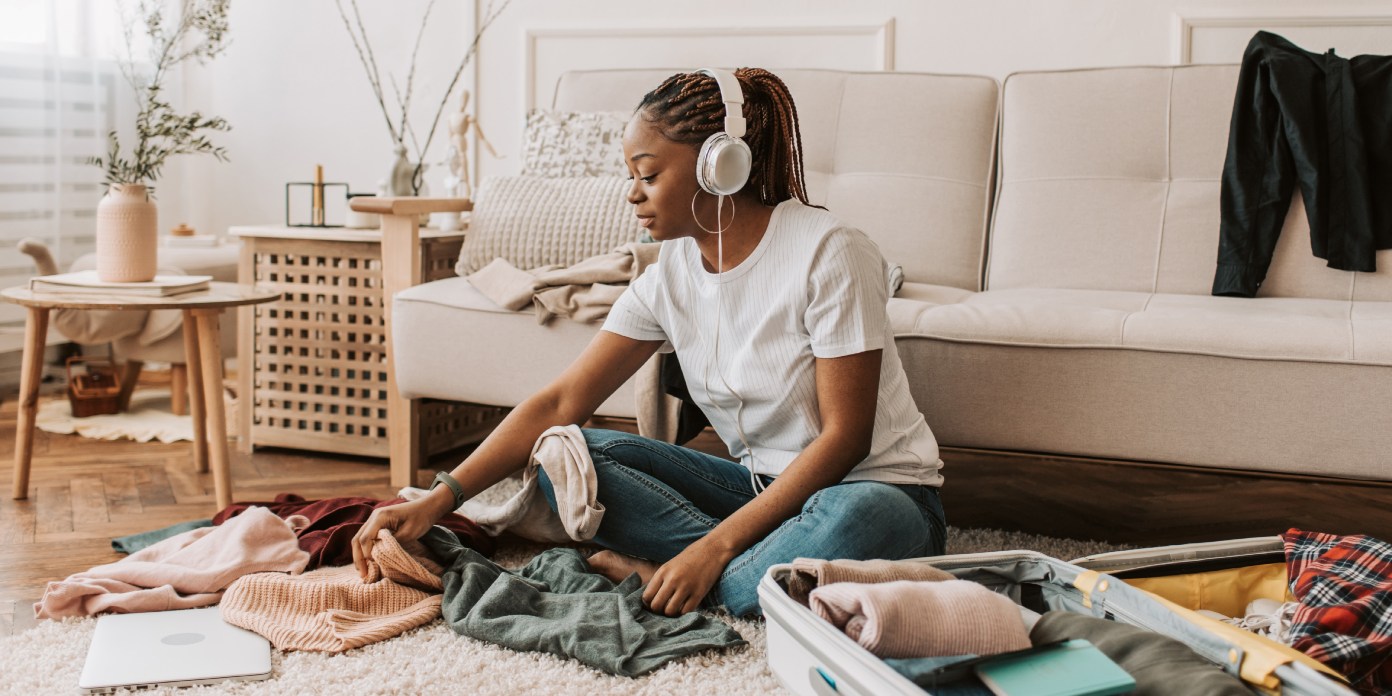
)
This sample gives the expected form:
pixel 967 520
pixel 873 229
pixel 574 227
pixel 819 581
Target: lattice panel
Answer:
pixel 320 376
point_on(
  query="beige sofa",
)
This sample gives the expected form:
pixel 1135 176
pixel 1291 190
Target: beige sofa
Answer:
pixel 1059 235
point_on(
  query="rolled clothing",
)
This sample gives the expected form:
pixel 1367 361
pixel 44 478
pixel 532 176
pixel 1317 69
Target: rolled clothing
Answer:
pixel 186 571
pixel 1159 664
pixel 810 573
pixel 908 618
pixel 557 605
pixel 333 609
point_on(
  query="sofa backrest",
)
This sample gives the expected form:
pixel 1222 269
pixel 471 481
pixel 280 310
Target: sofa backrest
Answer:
pixel 905 157
pixel 1110 178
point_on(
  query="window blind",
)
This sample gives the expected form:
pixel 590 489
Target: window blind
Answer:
pixel 55 113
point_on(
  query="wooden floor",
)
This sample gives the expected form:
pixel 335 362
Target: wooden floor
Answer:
pixel 83 492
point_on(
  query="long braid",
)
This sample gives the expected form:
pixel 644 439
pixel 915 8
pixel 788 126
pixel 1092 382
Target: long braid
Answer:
pixel 687 109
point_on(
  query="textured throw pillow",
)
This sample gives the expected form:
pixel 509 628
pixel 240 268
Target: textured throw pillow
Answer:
pixel 534 221
pixel 574 143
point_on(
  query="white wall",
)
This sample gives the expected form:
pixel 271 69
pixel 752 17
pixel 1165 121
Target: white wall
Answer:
pixel 292 87
pixel 296 95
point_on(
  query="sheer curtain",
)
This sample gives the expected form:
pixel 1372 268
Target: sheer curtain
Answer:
pixel 61 91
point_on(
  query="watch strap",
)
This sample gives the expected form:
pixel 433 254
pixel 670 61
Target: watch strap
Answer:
pixel 451 483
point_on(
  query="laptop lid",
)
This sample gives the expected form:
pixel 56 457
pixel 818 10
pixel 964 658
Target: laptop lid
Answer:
pixel 184 647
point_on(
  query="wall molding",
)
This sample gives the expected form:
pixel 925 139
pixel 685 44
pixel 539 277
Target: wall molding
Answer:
pixel 878 37
pixel 1186 23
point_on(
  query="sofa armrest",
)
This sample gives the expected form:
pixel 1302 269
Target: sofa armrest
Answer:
pixel 409 205
pixel 401 269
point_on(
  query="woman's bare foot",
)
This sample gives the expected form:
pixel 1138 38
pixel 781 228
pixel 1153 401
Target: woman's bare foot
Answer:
pixel 617 567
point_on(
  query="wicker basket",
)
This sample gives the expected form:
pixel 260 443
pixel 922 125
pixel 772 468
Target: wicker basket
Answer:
pixel 94 388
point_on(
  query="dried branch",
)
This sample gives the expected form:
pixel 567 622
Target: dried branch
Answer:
pixel 411 74
pixel 490 16
pixel 160 131
pixel 369 62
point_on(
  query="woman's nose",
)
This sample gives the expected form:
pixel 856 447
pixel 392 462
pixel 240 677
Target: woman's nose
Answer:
pixel 635 196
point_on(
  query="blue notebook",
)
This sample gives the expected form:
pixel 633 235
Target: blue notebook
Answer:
pixel 1070 668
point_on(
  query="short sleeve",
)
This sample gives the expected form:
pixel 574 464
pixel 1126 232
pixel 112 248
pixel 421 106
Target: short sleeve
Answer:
pixel 632 314
pixel 847 294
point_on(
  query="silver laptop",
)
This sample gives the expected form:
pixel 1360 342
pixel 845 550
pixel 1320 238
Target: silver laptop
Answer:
pixel 185 647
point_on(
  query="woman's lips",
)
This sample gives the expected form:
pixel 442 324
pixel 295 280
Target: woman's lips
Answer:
pixel 645 220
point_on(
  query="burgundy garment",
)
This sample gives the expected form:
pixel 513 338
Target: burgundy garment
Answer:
pixel 333 522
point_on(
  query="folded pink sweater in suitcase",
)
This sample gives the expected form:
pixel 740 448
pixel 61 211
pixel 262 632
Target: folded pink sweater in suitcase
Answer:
pixel 923 619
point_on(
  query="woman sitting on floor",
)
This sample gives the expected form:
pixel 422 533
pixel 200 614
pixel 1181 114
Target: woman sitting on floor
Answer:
pixel 776 311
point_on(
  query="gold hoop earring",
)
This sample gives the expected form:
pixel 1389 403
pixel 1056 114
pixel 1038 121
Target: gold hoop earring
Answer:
pixel 719 227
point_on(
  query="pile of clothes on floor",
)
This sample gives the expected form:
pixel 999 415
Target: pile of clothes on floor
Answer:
pixel 283 569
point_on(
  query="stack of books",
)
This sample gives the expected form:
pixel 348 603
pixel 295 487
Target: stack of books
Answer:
pixel 87 283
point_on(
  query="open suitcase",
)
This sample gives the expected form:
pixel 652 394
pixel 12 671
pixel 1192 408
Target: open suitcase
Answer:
pixel 1157 589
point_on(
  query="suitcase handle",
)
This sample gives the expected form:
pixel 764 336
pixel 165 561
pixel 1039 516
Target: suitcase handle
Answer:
pixel 823 684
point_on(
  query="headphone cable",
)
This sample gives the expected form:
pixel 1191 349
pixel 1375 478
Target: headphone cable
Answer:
pixel 719 231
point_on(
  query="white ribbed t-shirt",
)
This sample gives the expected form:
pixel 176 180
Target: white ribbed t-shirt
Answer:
pixel 812 288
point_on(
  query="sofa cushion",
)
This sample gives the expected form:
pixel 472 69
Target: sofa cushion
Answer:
pixel 574 143
pixel 534 221
pixel 451 342
pixel 905 157
pixel 913 299
pixel 1109 180
pixel 1293 329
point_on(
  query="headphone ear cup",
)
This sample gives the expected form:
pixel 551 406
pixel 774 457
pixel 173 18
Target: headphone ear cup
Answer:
pixel 723 165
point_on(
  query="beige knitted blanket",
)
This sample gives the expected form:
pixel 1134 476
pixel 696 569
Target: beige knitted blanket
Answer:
pixel 332 609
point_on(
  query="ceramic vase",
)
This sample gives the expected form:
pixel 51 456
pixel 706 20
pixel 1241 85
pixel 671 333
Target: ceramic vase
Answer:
pixel 127 235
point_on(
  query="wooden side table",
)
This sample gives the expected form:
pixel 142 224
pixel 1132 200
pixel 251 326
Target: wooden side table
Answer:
pixel 316 368
pixel 202 338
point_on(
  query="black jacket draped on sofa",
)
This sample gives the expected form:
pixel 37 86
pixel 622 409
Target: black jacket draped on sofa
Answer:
pixel 1323 121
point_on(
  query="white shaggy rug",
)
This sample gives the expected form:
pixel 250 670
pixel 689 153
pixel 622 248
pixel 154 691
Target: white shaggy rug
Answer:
pixel 432 659
pixel 149 417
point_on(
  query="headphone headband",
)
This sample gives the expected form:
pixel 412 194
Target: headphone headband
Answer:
pixel 733 96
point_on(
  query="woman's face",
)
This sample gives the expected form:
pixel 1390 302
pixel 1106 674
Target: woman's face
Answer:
pixel 664 181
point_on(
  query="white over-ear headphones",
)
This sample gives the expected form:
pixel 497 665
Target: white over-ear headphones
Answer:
pixel 722 167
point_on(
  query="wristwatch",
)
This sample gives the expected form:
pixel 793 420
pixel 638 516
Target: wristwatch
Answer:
pixel 453 485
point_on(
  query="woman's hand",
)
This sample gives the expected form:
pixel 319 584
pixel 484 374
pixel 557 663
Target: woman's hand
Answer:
pixel 406 521
pixel 681 583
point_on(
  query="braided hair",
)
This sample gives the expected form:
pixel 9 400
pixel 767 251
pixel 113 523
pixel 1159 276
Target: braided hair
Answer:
pixel 687 109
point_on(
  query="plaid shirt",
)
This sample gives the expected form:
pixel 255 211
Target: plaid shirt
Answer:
pixel 1344 584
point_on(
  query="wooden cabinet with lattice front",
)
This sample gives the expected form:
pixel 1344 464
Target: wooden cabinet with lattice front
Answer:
pixel 313 367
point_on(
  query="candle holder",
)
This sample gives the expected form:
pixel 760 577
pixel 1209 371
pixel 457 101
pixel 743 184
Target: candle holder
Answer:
pixel 300 197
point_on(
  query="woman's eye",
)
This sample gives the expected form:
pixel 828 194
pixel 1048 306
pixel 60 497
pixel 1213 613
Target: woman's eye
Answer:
pixel 649 179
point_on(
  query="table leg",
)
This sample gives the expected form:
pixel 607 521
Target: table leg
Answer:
pixel 179 386
pixel 210 356
pixel 194 369
pixel 31 372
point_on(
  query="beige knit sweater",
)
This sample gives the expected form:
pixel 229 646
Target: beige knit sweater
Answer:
pixel 332 609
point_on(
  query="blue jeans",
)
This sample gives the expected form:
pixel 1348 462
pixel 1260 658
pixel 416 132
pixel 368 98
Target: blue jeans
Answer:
pixel 659 498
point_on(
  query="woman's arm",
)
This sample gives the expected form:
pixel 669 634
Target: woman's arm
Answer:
pixel 572 397
pixel 847 389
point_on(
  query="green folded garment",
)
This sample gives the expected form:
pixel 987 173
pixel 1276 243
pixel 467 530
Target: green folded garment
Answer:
pixel 1159 664
pixel 557 605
